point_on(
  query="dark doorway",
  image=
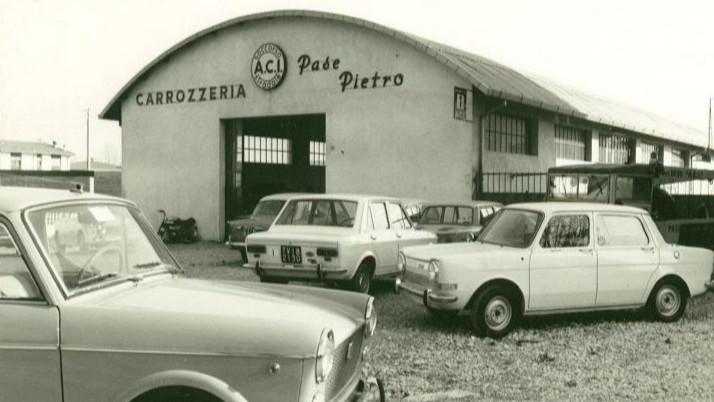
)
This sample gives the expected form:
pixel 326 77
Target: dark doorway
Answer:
pixel 267 155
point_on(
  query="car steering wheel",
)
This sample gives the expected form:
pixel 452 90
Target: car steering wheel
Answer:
pixel 87 270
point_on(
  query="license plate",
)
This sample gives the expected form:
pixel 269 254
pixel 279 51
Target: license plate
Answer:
pixel 291 254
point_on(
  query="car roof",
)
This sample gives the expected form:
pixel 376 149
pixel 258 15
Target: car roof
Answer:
pixel 564 206
pixel 341 196
pixel 18 198
pixel 282 196
pixel 468 203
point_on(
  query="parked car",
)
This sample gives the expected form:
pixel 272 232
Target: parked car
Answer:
pixel 344 239
pixel 545 258
pixel 457 221
pixel 263 215
pixel 121 323
pixel 413 207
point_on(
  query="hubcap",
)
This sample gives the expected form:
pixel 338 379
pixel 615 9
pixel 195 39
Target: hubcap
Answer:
pixel 498 313
pixel 668 301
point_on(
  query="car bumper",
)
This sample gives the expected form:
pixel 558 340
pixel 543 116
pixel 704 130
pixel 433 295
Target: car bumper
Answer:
pixel 308 272
pixel 426 295
pixel 235 244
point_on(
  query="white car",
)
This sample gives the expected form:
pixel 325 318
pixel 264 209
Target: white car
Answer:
pixel 544 258
pixel 346 239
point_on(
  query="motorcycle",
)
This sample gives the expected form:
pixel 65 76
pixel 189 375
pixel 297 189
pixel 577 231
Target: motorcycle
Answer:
pixel 176 230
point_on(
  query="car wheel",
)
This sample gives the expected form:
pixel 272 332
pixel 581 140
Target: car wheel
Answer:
pixel 362 280
pixel 667 302
pixel 495 312
pixel 243 254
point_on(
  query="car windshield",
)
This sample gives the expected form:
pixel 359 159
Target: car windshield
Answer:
pixel 319 212
pixel 512 228
pixel 268 208
pixel 447 215
pixel 92 244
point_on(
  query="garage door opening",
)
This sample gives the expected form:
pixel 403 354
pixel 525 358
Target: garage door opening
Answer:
pixel 268 155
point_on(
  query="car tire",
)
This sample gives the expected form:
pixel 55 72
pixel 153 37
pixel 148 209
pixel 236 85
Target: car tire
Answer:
pixel 243 254
pixel 495 312
pixel 362 280
pixel 667 302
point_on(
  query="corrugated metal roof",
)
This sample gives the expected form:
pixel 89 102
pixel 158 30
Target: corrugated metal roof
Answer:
pixel 30 147
pixel 489 77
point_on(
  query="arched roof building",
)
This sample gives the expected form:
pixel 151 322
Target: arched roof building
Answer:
pixel 311 101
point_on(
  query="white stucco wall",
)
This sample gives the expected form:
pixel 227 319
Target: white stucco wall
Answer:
pixel 398 140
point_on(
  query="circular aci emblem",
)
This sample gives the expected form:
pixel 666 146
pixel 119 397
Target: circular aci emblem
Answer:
pixel 268 66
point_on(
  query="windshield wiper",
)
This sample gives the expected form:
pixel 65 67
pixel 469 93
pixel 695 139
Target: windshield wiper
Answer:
pixel 153 264
pixel 96 278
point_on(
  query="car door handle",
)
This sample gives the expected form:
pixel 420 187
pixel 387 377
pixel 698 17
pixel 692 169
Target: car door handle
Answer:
pixel 650 249
pixel 373 237
pixel 399 236
pixel 586 251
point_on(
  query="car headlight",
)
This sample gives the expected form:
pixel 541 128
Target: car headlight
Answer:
pixel 325 355
pixel 401 262
pixel 370 316
pixel 433 269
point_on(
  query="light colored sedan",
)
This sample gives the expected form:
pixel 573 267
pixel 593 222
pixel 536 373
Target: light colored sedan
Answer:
pixel 120 323
pixel 546 258
pixel 347 239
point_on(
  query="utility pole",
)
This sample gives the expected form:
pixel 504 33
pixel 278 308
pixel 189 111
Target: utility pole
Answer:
pixel 88 159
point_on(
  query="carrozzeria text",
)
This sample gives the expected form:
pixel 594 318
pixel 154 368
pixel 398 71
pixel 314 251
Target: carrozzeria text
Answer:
pixel 189 95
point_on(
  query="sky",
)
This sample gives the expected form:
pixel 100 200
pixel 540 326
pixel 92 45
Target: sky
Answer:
pixel 62 61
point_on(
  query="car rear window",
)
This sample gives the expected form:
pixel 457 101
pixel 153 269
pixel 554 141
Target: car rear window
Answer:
pixel 340 213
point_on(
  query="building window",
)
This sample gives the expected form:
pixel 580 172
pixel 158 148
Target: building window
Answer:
pixel 317 153
pixel 268 150
pixel 646 151
pixel 38 162
pixel 570 143
pixel 509 134
pixel 56 162
pixel 614 149
pixel 679 157
pixel 15 161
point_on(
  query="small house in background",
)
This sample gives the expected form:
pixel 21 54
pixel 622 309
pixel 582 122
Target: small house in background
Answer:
pixel 33 155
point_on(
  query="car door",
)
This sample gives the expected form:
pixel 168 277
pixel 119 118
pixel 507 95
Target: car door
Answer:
pixel 627 258
pixel 563 266
pixel 29 337
pixel 404 229
pixel 383 239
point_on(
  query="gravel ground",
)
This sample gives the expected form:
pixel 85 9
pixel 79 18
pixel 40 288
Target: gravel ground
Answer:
pixel 612 356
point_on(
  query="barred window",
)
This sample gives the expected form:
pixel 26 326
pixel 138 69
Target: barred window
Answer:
pixel 317 153
pixel 646 150
pixel 267 150
pixel 570 143
pixel 679 157
pixel 614 149
pixel 508 134
pixel 15 161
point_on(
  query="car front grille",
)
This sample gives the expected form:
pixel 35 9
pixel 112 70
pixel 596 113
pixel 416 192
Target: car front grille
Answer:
pixel 418 278
pixel 348 356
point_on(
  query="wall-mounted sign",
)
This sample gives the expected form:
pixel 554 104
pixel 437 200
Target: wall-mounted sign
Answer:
pixel 462 104
pixel 190 95
pixel 268 66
